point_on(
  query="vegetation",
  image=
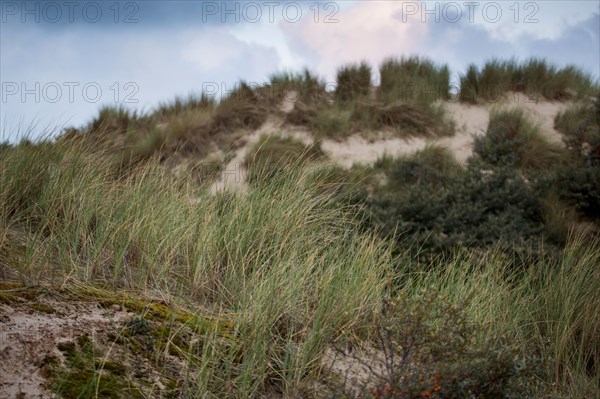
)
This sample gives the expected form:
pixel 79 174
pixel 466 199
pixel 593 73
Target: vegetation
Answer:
pixel 413 80
pixel 438 279
pixel 403 104
pixel 580 185
pixel 353 82
pixel 534 77
pixel 512 140
pixel 273 154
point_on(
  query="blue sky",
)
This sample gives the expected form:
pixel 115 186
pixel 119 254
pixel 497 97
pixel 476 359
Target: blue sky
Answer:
pixel 60 61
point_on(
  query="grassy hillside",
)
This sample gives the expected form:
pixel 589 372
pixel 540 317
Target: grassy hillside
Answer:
pixel 434 279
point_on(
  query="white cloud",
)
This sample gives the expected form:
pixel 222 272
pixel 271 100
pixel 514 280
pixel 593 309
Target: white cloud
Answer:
pixel 370 30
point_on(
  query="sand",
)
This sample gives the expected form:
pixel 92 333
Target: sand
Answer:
pixel 471 121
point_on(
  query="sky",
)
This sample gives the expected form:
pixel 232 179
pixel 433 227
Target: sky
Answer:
pixel 60 61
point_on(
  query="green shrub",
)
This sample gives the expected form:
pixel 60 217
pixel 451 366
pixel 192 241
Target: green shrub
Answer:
pixel 580 184
pixel 434 165
pixel 353 82
pixel 474 209
pixel 512 140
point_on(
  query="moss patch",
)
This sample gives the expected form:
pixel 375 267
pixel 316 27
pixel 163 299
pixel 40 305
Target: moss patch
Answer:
pixel 85 374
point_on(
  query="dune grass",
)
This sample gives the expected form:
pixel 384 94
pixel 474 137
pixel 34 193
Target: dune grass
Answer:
pixel 413 80
pixel 307 87
pixel 280 259
pixel 353 82
pixel 283 263
pixel 535 77
pixel 580 122
pixel 403 104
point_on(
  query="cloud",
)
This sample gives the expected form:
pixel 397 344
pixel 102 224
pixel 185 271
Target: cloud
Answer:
pixel 370 30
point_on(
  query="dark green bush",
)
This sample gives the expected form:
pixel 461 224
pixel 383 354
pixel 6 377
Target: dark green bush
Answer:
pixel 475 209
pixel 580 184
pixel 433 165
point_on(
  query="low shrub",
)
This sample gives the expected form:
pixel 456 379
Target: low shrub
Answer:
pixel 434 165
pixel 477 208
pixel 512 140
pixel 427 348
pixel 580 184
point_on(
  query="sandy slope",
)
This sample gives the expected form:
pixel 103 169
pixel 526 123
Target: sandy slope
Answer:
pixel 471 121
pixel 28 337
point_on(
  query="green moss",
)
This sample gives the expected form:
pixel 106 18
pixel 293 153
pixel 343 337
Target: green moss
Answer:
pixel 112 367
pixel 40 307
pixel 11 292
pixel 86 373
